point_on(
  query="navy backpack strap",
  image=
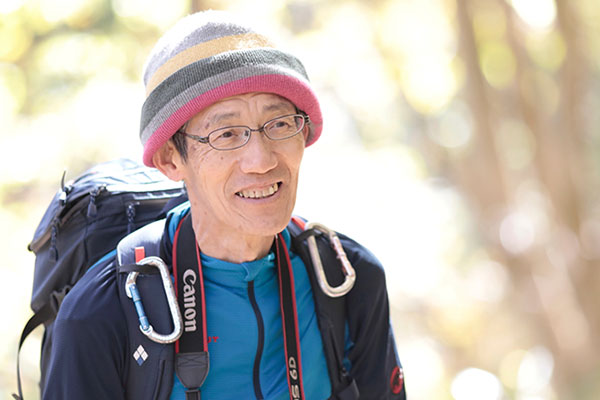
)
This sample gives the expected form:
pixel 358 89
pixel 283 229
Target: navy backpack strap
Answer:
pixel 331 312
pixel 150 364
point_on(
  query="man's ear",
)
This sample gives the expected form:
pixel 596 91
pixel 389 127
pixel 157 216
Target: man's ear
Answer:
pixel 168 161
pixel 306 132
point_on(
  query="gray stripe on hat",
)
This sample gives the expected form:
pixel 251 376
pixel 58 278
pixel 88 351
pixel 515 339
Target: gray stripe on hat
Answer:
pixel 175 103
pixel 204 69
pixel 187 34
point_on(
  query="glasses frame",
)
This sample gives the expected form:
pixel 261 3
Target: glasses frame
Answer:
pixel 206 139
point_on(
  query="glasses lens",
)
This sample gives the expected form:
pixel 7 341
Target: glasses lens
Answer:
pixel 284 127
pixel 229 138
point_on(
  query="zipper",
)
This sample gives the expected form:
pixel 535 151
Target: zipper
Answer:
pixel 59 220
pixel 53 238
pixel 130 211
pixel 261 341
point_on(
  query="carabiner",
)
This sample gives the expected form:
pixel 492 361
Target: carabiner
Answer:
pixel 318 265
pixel 132 292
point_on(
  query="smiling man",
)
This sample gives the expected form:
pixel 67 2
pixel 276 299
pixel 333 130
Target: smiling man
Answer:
pixel 229 115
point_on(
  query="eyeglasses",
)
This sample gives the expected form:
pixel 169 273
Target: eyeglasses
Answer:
pixel 234 137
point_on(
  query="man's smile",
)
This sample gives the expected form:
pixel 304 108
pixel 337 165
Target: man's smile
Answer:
pixel 259 193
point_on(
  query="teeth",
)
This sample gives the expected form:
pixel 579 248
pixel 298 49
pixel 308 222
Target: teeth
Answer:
pixel 259 194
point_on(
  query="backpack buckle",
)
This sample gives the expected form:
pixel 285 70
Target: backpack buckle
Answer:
pixel 132 292
pixel 347 269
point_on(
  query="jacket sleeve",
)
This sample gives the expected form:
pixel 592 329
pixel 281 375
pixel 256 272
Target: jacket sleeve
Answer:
pixel 89 341
pixel 374 362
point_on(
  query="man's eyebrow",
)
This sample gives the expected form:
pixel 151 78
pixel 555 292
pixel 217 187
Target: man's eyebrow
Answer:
pixel 216 118
pixel 283 105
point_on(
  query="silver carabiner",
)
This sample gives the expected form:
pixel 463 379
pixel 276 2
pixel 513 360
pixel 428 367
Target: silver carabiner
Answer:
pixel 132 292
pixel 318 265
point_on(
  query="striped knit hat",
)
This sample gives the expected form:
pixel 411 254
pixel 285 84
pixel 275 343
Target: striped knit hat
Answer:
pixel 207 57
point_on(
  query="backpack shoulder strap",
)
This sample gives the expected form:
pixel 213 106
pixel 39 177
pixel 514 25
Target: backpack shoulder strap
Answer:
pixel 149 237
pixel 44 316
pixel 150 364
pixel 331 311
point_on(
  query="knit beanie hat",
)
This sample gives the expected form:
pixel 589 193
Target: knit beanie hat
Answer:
pixel 206 57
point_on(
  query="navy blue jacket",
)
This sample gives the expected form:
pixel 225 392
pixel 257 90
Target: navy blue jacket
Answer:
pixel 95 342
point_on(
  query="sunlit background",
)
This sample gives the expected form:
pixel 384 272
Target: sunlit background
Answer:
pixel 461 145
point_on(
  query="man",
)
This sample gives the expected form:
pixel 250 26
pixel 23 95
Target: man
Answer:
pixel 230 116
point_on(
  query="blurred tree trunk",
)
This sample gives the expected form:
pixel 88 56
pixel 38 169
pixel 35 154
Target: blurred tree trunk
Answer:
pixel 197 5
pixel 565 303
pixel 574 78
pixel 485 182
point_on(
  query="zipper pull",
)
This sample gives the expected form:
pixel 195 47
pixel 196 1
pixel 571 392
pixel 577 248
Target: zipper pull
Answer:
pixel 92 210
pixel 130 212
pixel 53 237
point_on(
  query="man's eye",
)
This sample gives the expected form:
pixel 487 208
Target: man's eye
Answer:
pixel 281 125
pixel 226 134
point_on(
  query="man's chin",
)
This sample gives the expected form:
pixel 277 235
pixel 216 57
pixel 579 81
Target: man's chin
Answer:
pixel 267 225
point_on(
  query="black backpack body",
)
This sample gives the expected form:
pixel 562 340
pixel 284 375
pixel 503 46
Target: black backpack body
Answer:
pixel 84 221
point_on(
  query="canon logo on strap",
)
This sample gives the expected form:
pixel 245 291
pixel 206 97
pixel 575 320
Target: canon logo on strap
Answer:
pixel 189 300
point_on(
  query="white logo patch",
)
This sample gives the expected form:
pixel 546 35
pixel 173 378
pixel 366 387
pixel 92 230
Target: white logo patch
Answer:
pixel 140 355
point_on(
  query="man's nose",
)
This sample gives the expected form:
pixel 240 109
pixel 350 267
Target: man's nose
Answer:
pixel 257 155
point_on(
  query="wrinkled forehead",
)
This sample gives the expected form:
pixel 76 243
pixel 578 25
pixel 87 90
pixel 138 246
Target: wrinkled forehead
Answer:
pixel 257 101
pixel 239 107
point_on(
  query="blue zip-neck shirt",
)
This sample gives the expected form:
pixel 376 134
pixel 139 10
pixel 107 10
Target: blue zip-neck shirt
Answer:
pixel 247 358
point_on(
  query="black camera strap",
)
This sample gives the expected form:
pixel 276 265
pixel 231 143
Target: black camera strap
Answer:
pixel 192 358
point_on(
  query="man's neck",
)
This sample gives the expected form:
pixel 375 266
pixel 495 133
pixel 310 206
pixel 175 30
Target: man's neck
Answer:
pixel 233 247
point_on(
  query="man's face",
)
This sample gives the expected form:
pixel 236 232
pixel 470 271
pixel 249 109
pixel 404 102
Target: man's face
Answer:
pixel 250 190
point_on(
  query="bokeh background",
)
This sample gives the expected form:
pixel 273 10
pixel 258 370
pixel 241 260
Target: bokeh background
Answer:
pixel 461 145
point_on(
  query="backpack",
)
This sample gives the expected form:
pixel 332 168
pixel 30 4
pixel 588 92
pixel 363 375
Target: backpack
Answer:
pixel 84 221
